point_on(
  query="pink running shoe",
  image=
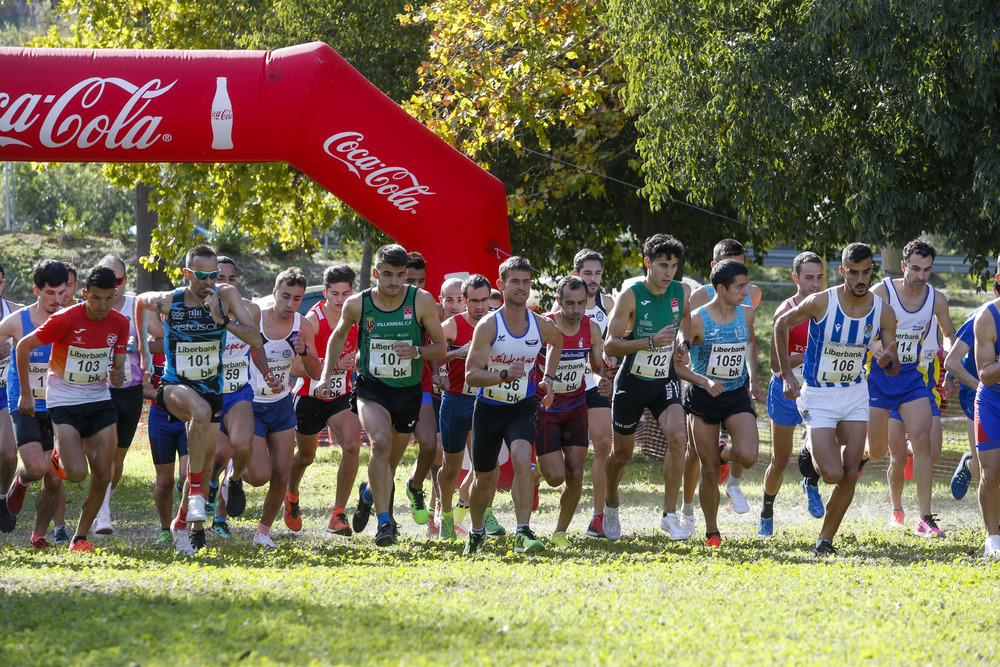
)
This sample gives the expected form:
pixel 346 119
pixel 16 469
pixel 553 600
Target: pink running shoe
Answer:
pixel 897 518
pixel 927 527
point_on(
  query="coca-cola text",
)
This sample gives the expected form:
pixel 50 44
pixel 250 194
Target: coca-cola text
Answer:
pixel 397 184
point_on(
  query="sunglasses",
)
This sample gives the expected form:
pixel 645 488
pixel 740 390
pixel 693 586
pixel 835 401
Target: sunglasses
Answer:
pixel 120 281
pixel 204 275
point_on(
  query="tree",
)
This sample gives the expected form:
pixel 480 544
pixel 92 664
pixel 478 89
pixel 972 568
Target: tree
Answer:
pixel 823 121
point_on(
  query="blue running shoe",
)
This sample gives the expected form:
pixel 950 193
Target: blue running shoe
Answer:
pixel 815 502
pixel 766 527
pixel 960 480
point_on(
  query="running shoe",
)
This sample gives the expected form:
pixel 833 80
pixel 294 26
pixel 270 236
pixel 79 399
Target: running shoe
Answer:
pixel 461 531
pixel 461 511
pixel 560 541
pixel 908 468
pixel 222 529
pixel 213 494
pixel 182 542
pixel 62 534
pixel 8 521
pixel 196 508
pixel 262 541
pixel 765 528
pixel 292 517
pixel 363 512
pixel 927 527
pixel 198 539
pixel 992 549
pixel 447 531
pixel 671 525
pixel 596 527
pixel 474 544
pixel 612 527
pixel 714 541
pixel 825 548
pixel 724 470
pixel 102 524
pixel 236 498
pixel 386 535
pixel 525 542
pixel 418 506
pixel 338 525
pixel 433 528
pixel 813 498
pixel 897 519
pixel 960 480
pixel 57 465
pixel 40 543
pixel 493 527
pixel 687 520
pixel 15 497
pixel 735 493
pixel 165 539
pixel 81 547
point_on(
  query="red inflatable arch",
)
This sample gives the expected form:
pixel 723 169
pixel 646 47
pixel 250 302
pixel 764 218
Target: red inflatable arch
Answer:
pixel 303 105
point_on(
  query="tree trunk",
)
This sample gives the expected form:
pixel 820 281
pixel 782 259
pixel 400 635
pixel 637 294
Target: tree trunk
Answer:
pixel 145 223
pixel 365 279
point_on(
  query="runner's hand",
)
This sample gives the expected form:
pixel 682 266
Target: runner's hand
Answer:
pixel 298 345
pixel 405 349
pixel 26 405
pixel 790 387
pixel 348 363
pixel 757 392
pixel 948 388
pixel 116 376
pixel 665 336
pixel 272 382
pixel 441 382
pixel 516 371
pixel 605 387
pixel 610 362
pixel 886 357
pixel 681 355
pixel 214 309
pixel 546 401
pixel 5 348
pixel 714 388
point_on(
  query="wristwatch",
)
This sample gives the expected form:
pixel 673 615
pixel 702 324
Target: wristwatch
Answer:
pixel 503 375
pixel 416 351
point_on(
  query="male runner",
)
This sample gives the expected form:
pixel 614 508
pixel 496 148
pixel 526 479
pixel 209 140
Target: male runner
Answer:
pixel 196 321
pixel 807 274
pixel 915 304
pixel 393 319
pixel 721 332
pixel 501 362
pixel 33 433
pixel 561 434
pixel 987 413
pixel 84 339
pixel 313 412
pixel 8 449
pixel 833 402
pixel 459 399
pixel 589 265
pixel 645 323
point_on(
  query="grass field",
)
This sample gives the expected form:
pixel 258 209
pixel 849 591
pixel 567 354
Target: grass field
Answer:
pixel 886 598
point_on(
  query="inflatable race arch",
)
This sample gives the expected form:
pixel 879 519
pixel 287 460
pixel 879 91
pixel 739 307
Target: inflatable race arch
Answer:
pixel 304 105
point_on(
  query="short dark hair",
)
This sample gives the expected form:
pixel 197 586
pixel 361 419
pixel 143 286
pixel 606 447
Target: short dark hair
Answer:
pixel 200 250
pixel 587 255
pixel 569 282
pixel 414 260
pixel 496 294
pixel 727 271
pixel 514 263
pixel 49 272
pixel 727 248
pixel 475 281
pixel 392 254
pixel 110 261
pixel 228 260
pixel 855 252
pixel 805 258
pixel 293 277
pixel 70 268
pixel 920 246
pixel 101 277
pixel 341 273
pixel 662 244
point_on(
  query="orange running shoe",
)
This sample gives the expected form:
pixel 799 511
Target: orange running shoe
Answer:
pixel 714 541
pixel 82 546
pixel 338 525
pixel 57 465
pixel 40 543
pixel 292 518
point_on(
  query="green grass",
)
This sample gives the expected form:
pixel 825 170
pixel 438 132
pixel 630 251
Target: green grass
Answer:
pixel 886 598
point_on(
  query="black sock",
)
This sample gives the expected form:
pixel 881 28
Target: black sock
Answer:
pixel 768 511
pixel 709 536
pixel 806 467
pixel 79 538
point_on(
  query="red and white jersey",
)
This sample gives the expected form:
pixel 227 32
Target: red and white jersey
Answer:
pixel 456 367
pixel 82 350
pixel 798 336
pixel 340 381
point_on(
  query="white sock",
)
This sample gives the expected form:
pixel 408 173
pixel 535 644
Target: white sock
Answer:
pixel 732 482
pixel 106 505
pixel 687 509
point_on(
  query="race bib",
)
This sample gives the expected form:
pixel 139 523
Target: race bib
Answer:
pixel 37 370
pixel 840 363
pixel 570 374
pixel 86 366
pixel 338 386
pixel 235 373
pixel 4 365
pixel 197 361
pixel 383 362
pixel 508 392
pixel 652 364
pixel 908 346
pixel 281 369
pixel 727 360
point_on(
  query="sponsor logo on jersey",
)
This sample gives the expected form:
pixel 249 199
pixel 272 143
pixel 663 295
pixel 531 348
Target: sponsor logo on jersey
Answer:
pixel 369 324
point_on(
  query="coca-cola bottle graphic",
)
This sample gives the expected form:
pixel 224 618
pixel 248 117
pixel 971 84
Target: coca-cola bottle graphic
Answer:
pixel 222 117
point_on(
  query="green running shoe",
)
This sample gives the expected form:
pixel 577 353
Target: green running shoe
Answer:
pixel 526 542
pixel 418 507
pixel 560 541
pixel 165 539
pixel 448 528
pixel 221 529
pixel 493 527
pixel 474 544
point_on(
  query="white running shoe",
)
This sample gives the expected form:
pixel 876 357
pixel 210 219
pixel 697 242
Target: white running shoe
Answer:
pixel 102 524
pixel 612 528
pixel 182 542
pixel 687 521
pixel 264 541
pixel 196 508
pixel 672 525
pixel 992 549
pixel 740 504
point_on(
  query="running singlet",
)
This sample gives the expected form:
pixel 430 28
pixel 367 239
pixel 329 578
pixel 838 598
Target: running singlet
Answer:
pixel 991 392
pixel 574 367
pixel 722 355
pixel 838 344
pixel 5 310
pixel 38 368
pixel 82 350
pixel 279 353
pixel 967 334
pixel 193 344
pixel 911 328
pixel 377 333
pixel 505 351
pixel 599 314
pixel 340 381
pixel 797 338
pixel 133 371
pixel 652 313
pixel 456 367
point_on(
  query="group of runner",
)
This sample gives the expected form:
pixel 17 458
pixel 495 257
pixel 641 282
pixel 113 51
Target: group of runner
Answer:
pixel 240 392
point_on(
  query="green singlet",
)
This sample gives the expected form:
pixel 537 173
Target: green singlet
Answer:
pixel 652 313
pixel 378 330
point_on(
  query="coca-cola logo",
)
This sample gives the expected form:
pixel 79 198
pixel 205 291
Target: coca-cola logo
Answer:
pixel 64 121
pixel 224 114
pixel 397 184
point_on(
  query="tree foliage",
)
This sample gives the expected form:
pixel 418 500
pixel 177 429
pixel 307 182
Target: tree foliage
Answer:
pixel 821 121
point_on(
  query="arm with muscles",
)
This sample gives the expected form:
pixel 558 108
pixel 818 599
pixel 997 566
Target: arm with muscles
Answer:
pixel 116 375
pixel 241 322
pixel 812 307
pixel 427 316
pixel 350 315
pixel 554 341
pixel 684 371
pixel 604 386
pixel 26 402
pixel 986 356
pixel 953 364
pixel 682 353
pixel 795 359
pixel 298 368
pixel 887 357
pixel 621 317
pixel 305 348
pixel 156 302
pixel 9 327
pixel 756 391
